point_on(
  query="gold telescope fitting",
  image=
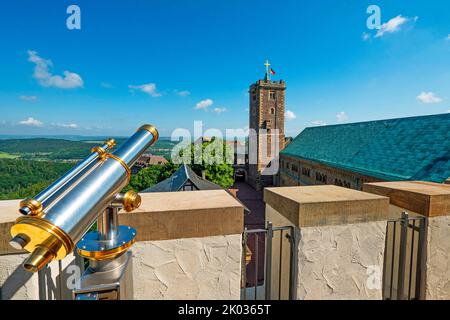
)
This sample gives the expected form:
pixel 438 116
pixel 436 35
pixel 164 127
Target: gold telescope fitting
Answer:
pixel 131 201
pixel 111 143
pixel 42 254
pixel 152 129
pixel 32 204
pixel 124 165
pixel 105 254
pixel 43 239
pixel 101 152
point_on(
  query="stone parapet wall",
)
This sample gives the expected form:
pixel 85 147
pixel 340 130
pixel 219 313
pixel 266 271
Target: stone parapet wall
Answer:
pixel 431 200
pixel 194 269
pixel 189 247
pixel 342 239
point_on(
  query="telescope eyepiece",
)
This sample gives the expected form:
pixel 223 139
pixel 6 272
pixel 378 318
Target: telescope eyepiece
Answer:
pixel 30 206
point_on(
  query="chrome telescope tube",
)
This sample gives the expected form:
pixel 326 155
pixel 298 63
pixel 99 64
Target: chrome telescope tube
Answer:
pixel 46 196
pixel 53 233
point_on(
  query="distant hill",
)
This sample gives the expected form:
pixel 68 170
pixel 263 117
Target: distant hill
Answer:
pixel 42 148
pixel 66 150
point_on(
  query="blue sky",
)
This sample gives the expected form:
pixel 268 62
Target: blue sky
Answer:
pixel 137 62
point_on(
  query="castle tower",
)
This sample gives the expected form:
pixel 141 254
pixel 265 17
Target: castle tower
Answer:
pixel 266 113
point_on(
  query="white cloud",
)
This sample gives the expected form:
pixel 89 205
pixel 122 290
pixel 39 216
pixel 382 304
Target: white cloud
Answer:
pixel 428 97
pixel 393 25
pixel 66 125
pixel 341 117
pixel 183 93
pixel 204 104
pixel 28 98
pixel 45 78
pixel 318 123
pixel 148 88
pixel 365 36
pixel 219 110
pixel 289 115
pixel 448 37
pixel 31 122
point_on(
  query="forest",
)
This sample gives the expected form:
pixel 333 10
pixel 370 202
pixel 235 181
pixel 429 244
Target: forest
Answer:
pixel 24 178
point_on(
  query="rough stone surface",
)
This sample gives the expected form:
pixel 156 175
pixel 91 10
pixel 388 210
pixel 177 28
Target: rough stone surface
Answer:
pixel 15 282
pixel 437 283
pixel 194 268
pixel 337 262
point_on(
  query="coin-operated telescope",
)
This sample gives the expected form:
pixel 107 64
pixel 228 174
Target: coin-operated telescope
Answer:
pixel 57 219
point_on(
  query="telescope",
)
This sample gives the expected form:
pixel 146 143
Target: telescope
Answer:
pixel 56 221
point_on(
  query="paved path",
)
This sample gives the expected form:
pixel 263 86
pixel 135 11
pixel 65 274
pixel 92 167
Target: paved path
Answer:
pixel 253 200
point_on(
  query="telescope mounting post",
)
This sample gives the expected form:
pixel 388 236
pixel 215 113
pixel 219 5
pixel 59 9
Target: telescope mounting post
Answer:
pixel 109 275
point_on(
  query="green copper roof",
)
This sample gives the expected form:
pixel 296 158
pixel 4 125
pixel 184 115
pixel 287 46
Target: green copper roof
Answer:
pixel 416 148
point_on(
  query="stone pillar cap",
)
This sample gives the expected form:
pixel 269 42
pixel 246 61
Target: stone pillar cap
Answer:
pixel 326 205
pixel 425 198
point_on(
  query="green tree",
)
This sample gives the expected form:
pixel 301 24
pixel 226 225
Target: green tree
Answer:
pixel 150 176
pixel 216 162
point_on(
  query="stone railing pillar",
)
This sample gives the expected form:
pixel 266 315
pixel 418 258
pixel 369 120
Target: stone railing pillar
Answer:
pixel 342 239
pixel 431 200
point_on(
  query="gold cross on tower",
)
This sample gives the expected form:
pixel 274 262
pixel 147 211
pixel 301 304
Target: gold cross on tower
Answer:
pixel 267 64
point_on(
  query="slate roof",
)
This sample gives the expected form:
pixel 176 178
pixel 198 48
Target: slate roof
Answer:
pixel 415 148
pixel 179 178
pixel 185 175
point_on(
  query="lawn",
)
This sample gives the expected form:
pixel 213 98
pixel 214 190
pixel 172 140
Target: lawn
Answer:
pixel 4 155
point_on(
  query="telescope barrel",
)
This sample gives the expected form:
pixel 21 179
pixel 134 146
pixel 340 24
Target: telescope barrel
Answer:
pixel 64 221
pixel 46 196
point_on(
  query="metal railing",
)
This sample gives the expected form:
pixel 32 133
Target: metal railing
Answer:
pixel 403 258
pixel 279 248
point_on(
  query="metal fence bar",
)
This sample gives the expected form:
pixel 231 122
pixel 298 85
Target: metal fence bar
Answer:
pixel 256 265
pixel 281 263
pixel 268 260
pixel 295 238
pixel 244 265
pixel 391 287
pixel 268 234
pixel 405 271
pixel 411 260
pixel 402 257
pixel 420 248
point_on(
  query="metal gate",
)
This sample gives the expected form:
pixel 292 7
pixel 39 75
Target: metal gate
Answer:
pixel 269 268
pixel 403 258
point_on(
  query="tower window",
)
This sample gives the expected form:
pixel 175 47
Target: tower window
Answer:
pixel 254 97
pixel 272 95
pixel 272 110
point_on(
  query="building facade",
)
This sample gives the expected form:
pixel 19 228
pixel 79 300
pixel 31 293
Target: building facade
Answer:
pixel 147 160
pixel 349 155
pixel 266 101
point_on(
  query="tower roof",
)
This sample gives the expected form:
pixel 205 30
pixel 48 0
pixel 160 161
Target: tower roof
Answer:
pixel 415 148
